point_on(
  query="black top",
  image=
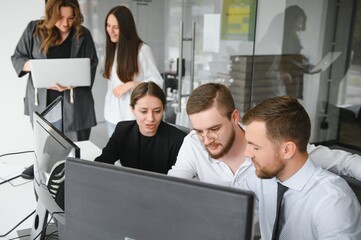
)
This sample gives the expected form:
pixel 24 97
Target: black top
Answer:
pixel 59 51
pixel 156 154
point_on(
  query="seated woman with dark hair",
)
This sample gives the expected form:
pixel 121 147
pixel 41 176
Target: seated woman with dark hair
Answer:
pixel 147 143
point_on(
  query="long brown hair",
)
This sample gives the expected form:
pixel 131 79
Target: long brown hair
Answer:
pixel 127 46
pixel 46 30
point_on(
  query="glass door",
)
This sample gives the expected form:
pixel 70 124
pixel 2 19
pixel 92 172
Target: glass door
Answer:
pixel 306 49
pixel 209 35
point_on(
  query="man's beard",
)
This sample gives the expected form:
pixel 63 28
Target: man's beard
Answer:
pixel 226 147
pixel 277 167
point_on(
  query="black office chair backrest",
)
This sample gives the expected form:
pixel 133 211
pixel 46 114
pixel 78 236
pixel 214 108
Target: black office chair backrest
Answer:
pixel 355 185
pixel 183 128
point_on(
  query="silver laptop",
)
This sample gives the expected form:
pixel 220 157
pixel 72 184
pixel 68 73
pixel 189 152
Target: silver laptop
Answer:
pixel 73 72
pixel 325 62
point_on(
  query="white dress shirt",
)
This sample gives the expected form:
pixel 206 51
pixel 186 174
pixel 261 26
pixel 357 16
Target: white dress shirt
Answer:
pixel 193 161
pixel 318 205
pixel 118 109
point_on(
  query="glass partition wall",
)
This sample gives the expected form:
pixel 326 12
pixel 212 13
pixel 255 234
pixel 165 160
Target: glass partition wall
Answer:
pixel 303 48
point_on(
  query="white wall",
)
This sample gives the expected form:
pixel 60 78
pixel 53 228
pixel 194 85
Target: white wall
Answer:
pixel 15 128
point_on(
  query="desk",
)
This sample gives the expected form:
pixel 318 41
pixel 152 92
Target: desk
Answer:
pixel 17 198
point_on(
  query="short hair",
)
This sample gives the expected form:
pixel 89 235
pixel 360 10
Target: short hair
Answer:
pixel 208 95
pixel 285 119
pixel 147 88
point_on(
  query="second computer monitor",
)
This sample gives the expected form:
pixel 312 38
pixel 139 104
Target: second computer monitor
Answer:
pixel 103 201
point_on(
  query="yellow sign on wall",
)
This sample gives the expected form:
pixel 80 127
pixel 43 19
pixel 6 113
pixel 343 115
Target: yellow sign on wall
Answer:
pixel 238 19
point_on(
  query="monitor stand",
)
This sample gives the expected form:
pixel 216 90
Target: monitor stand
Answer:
pixel 41 229
pixel 28 173
pixel 38 230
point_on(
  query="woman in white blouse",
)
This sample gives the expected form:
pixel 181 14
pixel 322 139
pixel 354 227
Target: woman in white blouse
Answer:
pixel 128 62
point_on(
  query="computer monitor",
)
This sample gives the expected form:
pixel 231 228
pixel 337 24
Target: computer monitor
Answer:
pixel 53 113
pixel 51 149
pixel 104 201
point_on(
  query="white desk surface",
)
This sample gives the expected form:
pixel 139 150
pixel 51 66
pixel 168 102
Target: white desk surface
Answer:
pixel 17 197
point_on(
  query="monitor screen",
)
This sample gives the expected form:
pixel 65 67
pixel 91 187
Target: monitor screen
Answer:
pixel 104 201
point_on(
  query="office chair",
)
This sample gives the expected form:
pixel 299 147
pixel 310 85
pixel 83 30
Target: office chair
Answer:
pixel 355 186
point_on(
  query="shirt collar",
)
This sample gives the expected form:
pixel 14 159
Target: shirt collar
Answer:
pixel 301 177
pixel 245 165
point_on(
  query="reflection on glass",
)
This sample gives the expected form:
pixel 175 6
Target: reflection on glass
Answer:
pixel 283 73
pixel 292 38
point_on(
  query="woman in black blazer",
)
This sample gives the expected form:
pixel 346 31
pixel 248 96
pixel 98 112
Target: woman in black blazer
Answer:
pixel 147 143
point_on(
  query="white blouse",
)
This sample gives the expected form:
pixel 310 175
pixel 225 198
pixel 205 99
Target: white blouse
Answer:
pixel 118 109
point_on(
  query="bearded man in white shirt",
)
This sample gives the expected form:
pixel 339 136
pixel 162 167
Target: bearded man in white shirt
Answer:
pixel 316 204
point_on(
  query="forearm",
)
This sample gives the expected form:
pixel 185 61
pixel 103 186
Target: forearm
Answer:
pixel 179 172
pixel 109 153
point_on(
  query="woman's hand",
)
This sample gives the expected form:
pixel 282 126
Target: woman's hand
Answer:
pixel 26 67
pixel 60 88
pixel 126 87
pixel 120 90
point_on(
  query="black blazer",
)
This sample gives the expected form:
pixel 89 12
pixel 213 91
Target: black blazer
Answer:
pixel 123 145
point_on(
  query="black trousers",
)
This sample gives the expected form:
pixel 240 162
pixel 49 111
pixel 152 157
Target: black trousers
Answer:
pixel 83 135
